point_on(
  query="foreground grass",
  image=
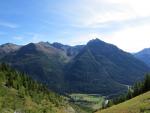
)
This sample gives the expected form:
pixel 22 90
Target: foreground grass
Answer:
pixel 139 104
pixel 88 102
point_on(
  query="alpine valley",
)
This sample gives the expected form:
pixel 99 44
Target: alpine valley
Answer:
pixel 94 68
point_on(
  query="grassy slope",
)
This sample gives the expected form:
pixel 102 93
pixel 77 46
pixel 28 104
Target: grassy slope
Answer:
pixel 139 104
pixel 12 100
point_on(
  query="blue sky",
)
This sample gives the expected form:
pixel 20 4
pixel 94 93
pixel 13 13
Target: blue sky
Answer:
pixel 125 23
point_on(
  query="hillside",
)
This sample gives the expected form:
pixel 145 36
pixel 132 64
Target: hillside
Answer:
pixel 41 61
pixel 97 67
pixel 139 104
pixel 144 56
pixel 103 68
pixel 21 94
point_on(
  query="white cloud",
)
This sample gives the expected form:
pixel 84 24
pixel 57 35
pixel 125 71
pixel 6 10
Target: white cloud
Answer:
pixel 84 38
pixel 99 18
pixel 8 24
pixel 133 33
pixel 139 7
pixel 131 39
pixel 28 38
pixel 89 13
pixel 35 37
pixel 18 38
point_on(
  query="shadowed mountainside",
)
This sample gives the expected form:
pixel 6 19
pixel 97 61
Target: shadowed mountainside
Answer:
pixel 97 67
pixel 144 56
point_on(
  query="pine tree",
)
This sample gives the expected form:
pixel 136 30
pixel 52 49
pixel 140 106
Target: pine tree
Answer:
pixel 147 83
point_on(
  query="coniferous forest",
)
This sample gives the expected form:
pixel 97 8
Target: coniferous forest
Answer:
pixel 21 94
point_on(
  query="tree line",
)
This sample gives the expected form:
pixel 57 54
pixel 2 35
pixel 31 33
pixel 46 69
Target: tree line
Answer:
pixel 28 88
pixel 137 89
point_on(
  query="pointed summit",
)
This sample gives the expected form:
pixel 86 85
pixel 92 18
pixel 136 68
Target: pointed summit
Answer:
pixel 96 41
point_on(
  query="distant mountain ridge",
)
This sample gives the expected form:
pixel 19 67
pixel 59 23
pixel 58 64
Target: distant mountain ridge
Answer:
pixel 97 67
pixel 69 50
pixel 144 56
pixel 8 48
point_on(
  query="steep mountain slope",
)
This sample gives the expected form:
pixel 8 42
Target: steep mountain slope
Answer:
pixel 70 51
pixel 103 68
pixel 97 67
pixel 20 94
pixel 144 56
pixel 42 61
pixel 139 104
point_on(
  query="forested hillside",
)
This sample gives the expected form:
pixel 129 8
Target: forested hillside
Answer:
pixel 138 88
pixel 97 67
pixel 144 56
pixel 21 94
pixel 103 68
pixel 131 102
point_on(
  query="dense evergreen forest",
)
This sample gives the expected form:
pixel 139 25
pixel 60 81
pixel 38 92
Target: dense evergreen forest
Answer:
pixel 21 94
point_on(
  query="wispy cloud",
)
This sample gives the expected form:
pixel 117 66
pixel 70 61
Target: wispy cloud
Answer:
pixel 84 38
pixel 35 37
pixel 8 24
pixel 131 39
pixel 126 20
pixel 29 37
pixel 100 13
pixel 18 38
pixel 122 22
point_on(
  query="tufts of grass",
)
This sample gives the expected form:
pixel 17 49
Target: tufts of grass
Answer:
pixel 139 104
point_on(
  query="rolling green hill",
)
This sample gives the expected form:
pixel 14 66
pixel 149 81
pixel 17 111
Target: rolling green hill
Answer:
pixel 139 104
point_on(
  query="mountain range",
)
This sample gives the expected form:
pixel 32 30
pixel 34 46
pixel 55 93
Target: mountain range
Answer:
pixel 97 67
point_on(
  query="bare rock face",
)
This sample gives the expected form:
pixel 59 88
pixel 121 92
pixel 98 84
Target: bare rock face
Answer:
pixel 7 48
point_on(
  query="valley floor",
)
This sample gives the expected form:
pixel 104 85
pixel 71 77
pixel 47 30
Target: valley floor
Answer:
pixel 88 102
